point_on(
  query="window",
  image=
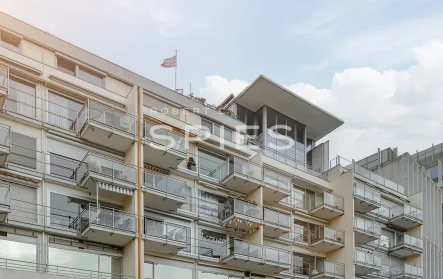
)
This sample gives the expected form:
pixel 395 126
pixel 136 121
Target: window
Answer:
pixel 66 66
pixel 81 72
pixel 63 112
pixel 300 133
pixel 162 271
pixel 212 244
pixel 10 41
pixel 25 253
pixel 148 270
pixel 63 166
pixel 21 98
pixel 271 117
pixel 209 204
pixel 23 150
pixel 210 164
pixel 211 275
pixel 65 209
pixel 92 261
pixel 91 77
pixel 301 231
pixel 161 106
pixel 216 129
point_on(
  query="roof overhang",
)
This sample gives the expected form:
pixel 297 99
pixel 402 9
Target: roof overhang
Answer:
pixel 264 91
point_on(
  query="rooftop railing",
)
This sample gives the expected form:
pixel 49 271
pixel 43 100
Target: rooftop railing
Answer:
pixel 160 135
pixel 164 184
pixel 109 218
pixel 351 165
pixel 107 166
pixel 59 270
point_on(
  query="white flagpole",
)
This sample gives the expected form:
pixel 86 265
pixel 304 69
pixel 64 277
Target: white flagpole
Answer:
pixel 176 61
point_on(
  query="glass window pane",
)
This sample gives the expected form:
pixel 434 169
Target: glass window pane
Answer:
pixel 73 259
pixel 271 117
pixel 23 150
pixel 110 264
pixel 207 124
pixel 172 272
pixel 90 77
pixel 281 120
pixel 21 98
pixel 210 163
pixel 66 66
pixel 300 133
pixel 18 251
pixel 241 113
pixel 148 270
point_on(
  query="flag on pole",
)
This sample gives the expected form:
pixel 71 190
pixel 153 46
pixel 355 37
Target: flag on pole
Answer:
pixel 170 62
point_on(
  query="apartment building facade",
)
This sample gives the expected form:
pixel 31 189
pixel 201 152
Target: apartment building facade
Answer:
pixel 107 174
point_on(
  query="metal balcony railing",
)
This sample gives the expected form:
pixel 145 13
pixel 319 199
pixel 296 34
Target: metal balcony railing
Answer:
pixel 326 199
pixel 241 167
pixel 108 116
pixel 164 184
pixel 407 270
pixel 407 210
pixel 382 243
pixel 364 258
pixel 327 233
pixel 105 217
pixel 107 166
pixel 244 208
pixel 367 193
pixel 367 226
pixel 264 253
pixel 300 268
pixel 5 135
pixel 277 218
pixel 5 200
pixel 162 136
pixel 59 270
pixel 404 239
pixel 328 268
pixel 165 230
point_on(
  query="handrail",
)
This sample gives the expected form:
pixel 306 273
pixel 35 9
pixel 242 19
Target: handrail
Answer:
pixel 59 270
pixel 163 229
pixel 106 217
pixel 170 185
pixel 282 219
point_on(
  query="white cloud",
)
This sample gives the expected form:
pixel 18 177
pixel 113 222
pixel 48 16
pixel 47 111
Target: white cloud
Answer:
pixel 380 109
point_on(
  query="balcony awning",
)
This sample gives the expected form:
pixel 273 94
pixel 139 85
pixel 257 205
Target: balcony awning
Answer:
pixel 115 189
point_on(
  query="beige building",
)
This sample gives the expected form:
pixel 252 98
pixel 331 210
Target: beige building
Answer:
pixel 99 180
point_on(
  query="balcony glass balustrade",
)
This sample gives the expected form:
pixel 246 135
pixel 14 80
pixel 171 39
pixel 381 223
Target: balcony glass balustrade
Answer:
pixel 164 237
pixel 276 222
pixel 366 230
pixel 406 245
pixel 242 216
pixel 406 216
pixel 326 239
pixel 327 269
pixel 5 202
pixel 241 175
pixel 5 143
pixel 366 262
pixel 406 271
pixel 366 198
pixel 326 205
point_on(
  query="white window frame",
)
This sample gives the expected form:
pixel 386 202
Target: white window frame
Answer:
pixel 82 65
pixel 13 35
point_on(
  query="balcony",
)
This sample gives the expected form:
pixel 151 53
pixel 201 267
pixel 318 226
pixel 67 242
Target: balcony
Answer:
pixel 241 175
pixel 277 186
pixel 406 271
pixel 163 192
pixel 107 126
pixel 326 239
pixel 325 269
pixel 406 245
pixel 256 257
pixel 5 142
pixel 366 262
pixel 326 206
pixel 241 216
pixel 5 202
pixel 380 214
pixel 106 225
pixel 366 198
pixel 163 147
pixel 163 237
pixel 277 223
pixel 115 178
pixel 4 84
pixel 299 270
pixel 406 216
pixel 366 230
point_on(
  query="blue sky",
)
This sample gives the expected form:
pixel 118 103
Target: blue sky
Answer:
pixel 334 53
